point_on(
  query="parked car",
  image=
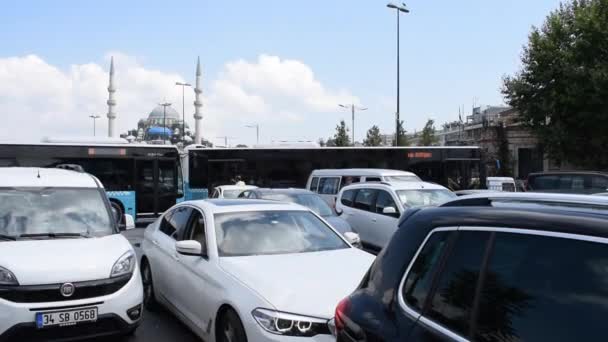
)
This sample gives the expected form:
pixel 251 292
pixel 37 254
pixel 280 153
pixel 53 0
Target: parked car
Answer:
pixel 328 182
pixel 65 270
pixel 249 270
pixel 575 182
pixel 475 273
pixel 231 191
pixel 373 209
pixel 313 202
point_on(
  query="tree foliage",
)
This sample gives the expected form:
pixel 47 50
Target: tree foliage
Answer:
pixel 341 137
pixel 403 140
pixel 561 91
pixel 373 137
pixel 427 136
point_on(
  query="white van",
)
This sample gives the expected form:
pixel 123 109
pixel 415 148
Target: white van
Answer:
pixel 501 184
pixel 328 182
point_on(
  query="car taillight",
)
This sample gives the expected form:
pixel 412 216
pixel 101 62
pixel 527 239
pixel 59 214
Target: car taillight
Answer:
pixel 341 309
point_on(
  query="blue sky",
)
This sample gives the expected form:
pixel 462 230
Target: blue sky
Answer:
pixel 452 51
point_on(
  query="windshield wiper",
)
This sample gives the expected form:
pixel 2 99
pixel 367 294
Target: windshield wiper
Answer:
pixel 52 235
pixel 8 237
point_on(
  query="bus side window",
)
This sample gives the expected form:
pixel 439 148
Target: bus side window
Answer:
pixel 314 183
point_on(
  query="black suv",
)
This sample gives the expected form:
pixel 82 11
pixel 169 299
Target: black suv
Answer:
pixel 485 274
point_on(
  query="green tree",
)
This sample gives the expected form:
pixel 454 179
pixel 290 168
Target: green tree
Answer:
pixel 373 137
pixel 341 137
pixel 403 140
pixel 321 142
pixel 561 91
pixel 427 137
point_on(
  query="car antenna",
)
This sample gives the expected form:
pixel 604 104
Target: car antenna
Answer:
pixel 38 173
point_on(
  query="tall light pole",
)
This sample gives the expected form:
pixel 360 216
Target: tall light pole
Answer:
pixel 94 117
pixel 257 131
pixel 165 105
pixel 399 9
pixel 225 138
pixel 183 85
pixel 352 108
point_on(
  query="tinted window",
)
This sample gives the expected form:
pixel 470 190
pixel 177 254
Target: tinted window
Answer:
pixel 348 180
pixel 329 186
pixel 348 197
pixel 599 183
pixel 541 288
pixel 372 179
pixel 364 199
pixel 175 223
pixel 273 232
pixel 420 276
pixel 314 183
pixel 165 224
pixel 452 303
pixel 384 200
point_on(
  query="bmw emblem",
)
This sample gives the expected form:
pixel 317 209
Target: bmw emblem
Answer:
pixel 67 289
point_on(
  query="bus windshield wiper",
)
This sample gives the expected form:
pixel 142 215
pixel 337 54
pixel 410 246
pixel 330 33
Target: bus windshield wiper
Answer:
pixel 8 237
pixel 52 235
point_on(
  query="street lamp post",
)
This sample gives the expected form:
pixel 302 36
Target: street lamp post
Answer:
pixel 94 117
pixel 352 108
pixel 399 8
pixel 183 85
pixel 257 131
pixel 165 105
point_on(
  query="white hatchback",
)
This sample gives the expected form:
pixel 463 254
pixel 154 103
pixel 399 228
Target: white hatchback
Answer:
pixel 373 209
pixel 249 270
pixel 65 269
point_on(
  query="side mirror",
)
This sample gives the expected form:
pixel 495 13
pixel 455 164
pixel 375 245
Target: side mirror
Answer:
pixel 353 238
pixel 189 247
pixel 338 211
pixel 389 211
pixel 129 222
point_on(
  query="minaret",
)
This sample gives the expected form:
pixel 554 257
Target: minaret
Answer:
pixel 198 116
pixel 111 102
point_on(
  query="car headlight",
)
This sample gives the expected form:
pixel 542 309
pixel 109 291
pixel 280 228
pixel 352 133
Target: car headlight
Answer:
pixel 124 265
pixel 7 277
pixel 282 323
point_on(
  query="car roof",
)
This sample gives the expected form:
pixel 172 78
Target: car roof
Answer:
pixel 46 177
pixel 547 173
pixel 287 191
pixel 468 200
pixel 396 186
pixel 361 172
pixel 240 205
pixel 236 187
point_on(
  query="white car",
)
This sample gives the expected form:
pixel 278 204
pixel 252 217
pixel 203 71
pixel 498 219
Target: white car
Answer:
pixel 231 191
pixel 65 269
pixel 373 209
pixel 249 270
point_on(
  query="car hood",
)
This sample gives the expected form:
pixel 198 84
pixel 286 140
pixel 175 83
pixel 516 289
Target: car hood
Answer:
pixel 52 261
pixel 339 224
pixel 309 284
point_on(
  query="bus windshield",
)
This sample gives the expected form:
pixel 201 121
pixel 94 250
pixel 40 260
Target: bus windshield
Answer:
pixel 53 211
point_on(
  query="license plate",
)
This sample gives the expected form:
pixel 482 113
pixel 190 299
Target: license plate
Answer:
pixel 65 317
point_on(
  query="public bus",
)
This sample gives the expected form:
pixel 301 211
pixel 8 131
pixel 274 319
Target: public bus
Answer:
pixel 140 180
pixel 457 167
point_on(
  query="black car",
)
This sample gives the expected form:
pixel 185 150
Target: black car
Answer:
pixel 485 274
pixel 568 182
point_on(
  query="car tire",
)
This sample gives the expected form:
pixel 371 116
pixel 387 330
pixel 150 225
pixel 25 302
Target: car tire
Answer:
pixel 231 328
pixel 150 302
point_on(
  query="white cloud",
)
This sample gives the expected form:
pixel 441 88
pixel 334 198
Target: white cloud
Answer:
pixel 38 99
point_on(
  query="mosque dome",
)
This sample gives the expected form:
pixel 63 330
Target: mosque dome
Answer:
pixel 157 113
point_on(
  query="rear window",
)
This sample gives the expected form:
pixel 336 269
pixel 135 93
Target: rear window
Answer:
pixel 540 288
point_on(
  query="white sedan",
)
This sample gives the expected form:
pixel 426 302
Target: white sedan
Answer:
pixel 249 270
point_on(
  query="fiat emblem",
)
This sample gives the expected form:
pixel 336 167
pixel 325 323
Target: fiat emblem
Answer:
pixel 67 289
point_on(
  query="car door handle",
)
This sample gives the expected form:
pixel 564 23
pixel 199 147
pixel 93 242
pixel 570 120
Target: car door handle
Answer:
pixel 176 257
pixel 374 220
pixel 155 242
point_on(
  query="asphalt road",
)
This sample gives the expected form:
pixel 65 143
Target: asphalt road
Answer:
pixel 160 326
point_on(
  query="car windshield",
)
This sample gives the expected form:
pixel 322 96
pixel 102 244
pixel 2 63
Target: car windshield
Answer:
pixel 311 201
pixel 273 232
pixel 52 212
pixel 232 193
pixel 401 178
pixel 419 198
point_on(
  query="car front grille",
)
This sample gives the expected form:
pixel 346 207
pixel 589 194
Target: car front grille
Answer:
pixel 52 293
